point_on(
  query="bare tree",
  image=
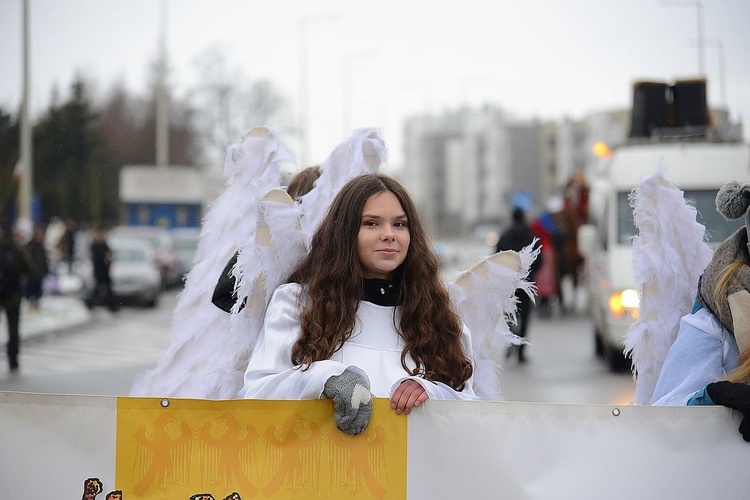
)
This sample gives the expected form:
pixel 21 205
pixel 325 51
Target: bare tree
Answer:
pixel 226 103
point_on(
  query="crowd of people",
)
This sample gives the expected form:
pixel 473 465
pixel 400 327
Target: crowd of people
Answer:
pixel 32 260
pixel 554 229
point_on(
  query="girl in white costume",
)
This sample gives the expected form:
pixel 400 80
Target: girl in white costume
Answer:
pixel 364 314
pixel 709 362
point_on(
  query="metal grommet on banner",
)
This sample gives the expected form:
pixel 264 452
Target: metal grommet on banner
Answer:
pixel 616 412
pixel 164 402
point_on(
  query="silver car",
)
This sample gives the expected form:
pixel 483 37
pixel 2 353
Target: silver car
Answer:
pixel 135 273
pixel 162 243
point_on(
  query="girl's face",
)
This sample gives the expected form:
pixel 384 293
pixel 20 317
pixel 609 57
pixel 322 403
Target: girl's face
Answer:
pixel 383 238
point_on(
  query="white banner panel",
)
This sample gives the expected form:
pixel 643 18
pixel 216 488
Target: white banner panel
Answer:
pixel 542 451
pixel 51 444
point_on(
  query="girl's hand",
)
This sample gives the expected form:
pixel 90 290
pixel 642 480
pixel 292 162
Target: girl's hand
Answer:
pixel 408 395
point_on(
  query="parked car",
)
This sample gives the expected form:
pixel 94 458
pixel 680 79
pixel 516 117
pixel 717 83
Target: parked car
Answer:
pixel 163 245
pixel 186 243
pixel 135 273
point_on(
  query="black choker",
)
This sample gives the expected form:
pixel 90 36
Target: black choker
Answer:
pixel 380 292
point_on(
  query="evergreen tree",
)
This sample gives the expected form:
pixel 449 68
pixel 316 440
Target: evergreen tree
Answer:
pixel 65 147
pixel 9 153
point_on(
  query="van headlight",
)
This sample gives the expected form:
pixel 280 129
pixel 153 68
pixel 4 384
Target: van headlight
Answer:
pixel 624 302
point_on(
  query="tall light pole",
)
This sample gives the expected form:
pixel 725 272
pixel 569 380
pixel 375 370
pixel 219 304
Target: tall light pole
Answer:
pixel 27 161
pixel 303 32
pixel 162 96
pixel 701 42
pixel 722 76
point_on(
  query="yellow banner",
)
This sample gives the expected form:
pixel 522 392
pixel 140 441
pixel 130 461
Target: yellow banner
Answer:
pixel 183 448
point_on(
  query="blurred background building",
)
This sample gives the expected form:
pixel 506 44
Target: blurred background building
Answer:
pixel 464 167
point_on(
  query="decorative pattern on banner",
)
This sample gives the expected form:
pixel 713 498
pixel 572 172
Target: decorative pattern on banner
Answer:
pixel 185 448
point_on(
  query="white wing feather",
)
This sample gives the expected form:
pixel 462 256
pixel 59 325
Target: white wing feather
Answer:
pixel 206 356
pixel 362 153
pixel 264 263
pixel 669 255
pixel 484 298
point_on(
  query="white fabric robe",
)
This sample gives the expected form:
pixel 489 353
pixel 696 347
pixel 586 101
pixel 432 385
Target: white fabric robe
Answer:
pixel 703 352
pixel 374 351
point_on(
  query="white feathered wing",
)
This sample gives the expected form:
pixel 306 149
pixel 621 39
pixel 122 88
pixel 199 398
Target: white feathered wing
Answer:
pixel 484 298
pixel 669 255
pixel 207 358
pixel 264 263
pixel 362 153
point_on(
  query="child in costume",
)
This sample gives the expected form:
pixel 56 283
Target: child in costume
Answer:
pixel 364 314
pixel 709 361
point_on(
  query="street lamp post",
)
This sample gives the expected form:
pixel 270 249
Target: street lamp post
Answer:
pixel 722 81
pixel 162 95
pixel 27 163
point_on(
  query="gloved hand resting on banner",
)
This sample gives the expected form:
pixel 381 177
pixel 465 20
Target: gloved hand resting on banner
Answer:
pixel 352 401
pixel 733 395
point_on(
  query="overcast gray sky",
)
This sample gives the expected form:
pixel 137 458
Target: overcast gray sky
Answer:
pixel 534 58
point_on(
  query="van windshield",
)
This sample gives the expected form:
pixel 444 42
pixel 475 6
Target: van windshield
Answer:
pixel 703 200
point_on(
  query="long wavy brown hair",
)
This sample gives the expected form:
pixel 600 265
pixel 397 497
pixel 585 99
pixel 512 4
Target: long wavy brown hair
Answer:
pixel 742 372
pixel 332 277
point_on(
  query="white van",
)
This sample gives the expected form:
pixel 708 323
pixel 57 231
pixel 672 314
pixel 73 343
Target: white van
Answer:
pixel 699 169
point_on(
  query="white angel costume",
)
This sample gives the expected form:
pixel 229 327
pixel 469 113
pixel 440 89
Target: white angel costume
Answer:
pixel 678 353
pixel 373 351
pixel 703 352
pixel 254 218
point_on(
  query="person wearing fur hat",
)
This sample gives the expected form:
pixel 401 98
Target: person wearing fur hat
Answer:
pixel 709 362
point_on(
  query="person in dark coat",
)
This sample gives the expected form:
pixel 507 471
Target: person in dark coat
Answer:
pixel 101 259
pixel 14 265
pixel 516 237
pixel 38 255
pixel 67 243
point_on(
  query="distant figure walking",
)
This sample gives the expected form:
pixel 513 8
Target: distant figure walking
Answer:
pixel 67 243
pixel 14 265
pixel 516 237
pixel 547 278
pixel 38 254
pixel 101 259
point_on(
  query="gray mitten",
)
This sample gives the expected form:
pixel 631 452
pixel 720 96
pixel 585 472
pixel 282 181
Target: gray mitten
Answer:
pixel 352 401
